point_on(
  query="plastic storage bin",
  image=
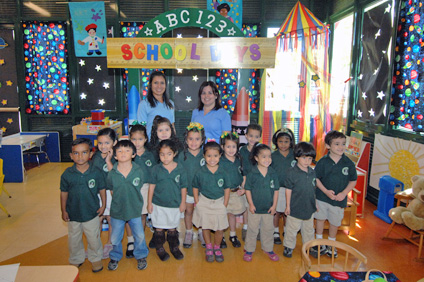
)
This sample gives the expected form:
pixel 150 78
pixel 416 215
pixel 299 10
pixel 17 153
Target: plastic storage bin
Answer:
pixel 389 186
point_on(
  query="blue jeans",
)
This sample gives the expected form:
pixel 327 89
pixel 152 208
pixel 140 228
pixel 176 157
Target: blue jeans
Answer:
pixel 118 228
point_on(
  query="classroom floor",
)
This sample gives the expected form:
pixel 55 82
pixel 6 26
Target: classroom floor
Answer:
pixel 36 235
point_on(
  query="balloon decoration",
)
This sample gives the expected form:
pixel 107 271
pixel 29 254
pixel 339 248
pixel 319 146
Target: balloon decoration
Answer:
pixel 46 67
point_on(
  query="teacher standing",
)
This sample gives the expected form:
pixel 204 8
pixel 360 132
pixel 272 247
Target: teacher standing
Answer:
pixel 156 103
pixel 210 113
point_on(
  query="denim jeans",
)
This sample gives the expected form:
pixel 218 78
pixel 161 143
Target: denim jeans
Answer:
pixel 118 228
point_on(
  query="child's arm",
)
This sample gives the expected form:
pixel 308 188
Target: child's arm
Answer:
pixel 252 208
pixel 102 194
pixel 343 194
pixel 183 199
pixel 226 196
pixel 329 193
pixel 272 210
pixel 150 197
pixel 244 181
pixel 196 195
pixel 108 160
pixel 63 200
pixel 288 198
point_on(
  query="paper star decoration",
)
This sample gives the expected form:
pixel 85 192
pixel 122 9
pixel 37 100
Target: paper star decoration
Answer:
pixel 195 78
pixel 364 95
pixel 302 84
pixel 387 10
pixel 3 129
pixel 82 63
pixel 98 68
pixel 179 70
pixel 110 31
pixel 1 62
pixel 315 77
pixel 199 36
pixel 9 121
pixel 359 113
pixel 178 89
pixel 90 81
pixel 148 31
pixel 231 31
pixel 380 95
pixel 4 102
pixel 238 131
pixel 106 85
pixel 188 99
pixel 372 113
pixel 9 83
pixel 83 96
pixel 102 102
pixel 80 27
pixel 378 33
pixel 179 35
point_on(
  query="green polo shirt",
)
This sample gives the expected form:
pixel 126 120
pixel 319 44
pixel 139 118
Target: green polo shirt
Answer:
pixel 211 185
pixel 82 188
pixel 100 162
pixel 282 164
pixel 335 176
pixel 127 201
pixel 233 170
pixel 303 186
pixel 247 165
pixel 146 161
pixel 191 164
pixel 168 185
pixel 262 188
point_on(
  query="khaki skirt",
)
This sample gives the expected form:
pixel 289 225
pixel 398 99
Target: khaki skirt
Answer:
pixel 237 204
pixel 210 214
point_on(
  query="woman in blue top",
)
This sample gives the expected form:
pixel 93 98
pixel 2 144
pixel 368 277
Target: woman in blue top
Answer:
pixel 210 113
pixel 156 103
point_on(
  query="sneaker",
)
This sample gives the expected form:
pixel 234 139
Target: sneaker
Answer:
pixel 277 240
pixel 219 257
pixel 223 243
pixel 106 250
pixel 77 265
pixel 273 256
pixel 247 256
pixel 330 251
pixel 188 240
pixel 152 244
pixel 243 234
pixel 235 241
pixel 209 255
pixel 202 241
pixel 96 266
pixel 112 265
pixel 288 253
pixel 129 253
pixel 141 264
pixel 314 251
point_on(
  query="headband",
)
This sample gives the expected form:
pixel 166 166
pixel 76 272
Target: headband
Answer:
pixel 193 125
pixel 225 134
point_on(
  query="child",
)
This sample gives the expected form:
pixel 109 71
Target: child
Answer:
pixel 162 130
pixel 79 186
pixel 253 135
pixel 336 177
pixel 102 159
pixel 231 163
pixel 167 195
pixel 300 198
pixel 210 212
pixel 192 159
pixel 262 195
pixel 125 181
pixel 282 160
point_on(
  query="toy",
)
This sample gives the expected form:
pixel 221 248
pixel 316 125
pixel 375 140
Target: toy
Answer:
pixel 412 215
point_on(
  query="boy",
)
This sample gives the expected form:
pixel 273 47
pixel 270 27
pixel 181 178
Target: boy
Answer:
pixel 125 181
pixel 253 135
pixel 79 186
pixel 336 177
pixel 300 198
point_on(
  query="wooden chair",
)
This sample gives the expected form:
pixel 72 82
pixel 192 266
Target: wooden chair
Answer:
pixel 2 188
pixel 349 258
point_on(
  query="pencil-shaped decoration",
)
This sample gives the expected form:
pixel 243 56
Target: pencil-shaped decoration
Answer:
pixel 240 119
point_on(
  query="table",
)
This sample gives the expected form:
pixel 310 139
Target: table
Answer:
pixel 59 273
pixel 351 276
pixel 90 131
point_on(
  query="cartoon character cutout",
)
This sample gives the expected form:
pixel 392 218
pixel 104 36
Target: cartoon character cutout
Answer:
pixel 223 10
pixel 92 40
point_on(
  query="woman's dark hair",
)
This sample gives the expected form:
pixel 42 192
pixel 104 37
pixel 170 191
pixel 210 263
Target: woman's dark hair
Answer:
pixel 151 98
pixel 283 132
pixel 212 145
pixel 304 149
pixel 168 143
pixel 215 92
pixel 257 148
pixel 107 132
pixel 124 143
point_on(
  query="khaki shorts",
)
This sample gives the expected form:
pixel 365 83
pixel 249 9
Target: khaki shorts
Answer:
pixel 332 213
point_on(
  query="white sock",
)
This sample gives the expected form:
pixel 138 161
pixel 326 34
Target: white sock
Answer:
pixel 189 230
pixel 331 239
pixel 232 233
pixel 276 229
pixel 130 240
pixel 245 226
pixel 318 236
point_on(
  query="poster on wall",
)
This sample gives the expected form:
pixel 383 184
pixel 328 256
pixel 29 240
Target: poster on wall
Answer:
pixel 89 27
pixel 401 159
pixel 231 9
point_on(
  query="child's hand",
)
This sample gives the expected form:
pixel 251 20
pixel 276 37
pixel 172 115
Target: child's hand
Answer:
pixel 287 211
pixel 241 192
pixel 65 216
pixel 109 155
pixel 252 209
pixel 272 210
pixel 340 197
pixel 182 207
pixel 330 194
pixel 149 208
pixel 100 211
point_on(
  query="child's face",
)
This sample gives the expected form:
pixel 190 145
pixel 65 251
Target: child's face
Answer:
pixel 105 144
pixel 253 136
pixel 124 154
pixel 138 139
pixel 223 12
pixel 80 154
pixel 283 143
pixel 337 147
pixel 158 86
pixel 166 155
pixel 164 131
pixel 212 157
pixel 230 148
pixel 304 162
pixel 264 158
pixel 92 32
pixel 194 140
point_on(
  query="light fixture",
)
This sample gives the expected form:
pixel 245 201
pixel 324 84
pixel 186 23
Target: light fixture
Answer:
pixel 38 9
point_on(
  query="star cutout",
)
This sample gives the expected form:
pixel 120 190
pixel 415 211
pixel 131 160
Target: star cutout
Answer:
pixel 179 70
pixel 90 81
pixel 315 77
pixel 106 85
pixel 4 102
pixel 359 113
pixel 238 131
pixel 375 71
pixel 380 95
pixel 148 31
pixel 195 78
pixel 80 27
pixel 364 95
pixel 178 89
pixel 110 31
pixel 199 36
pixel 302 84
pixel 378 33
pixel 387 10
pixel 102 102
pixel 188 99
pixel 231 31
pixel 372 113
pixel 83 96
pixel 82 63
pixel 98 68
pixel 9 83
pixel 179 35
pixel 360 76
pixel 3 129
pixel 9 121
pixel 1 62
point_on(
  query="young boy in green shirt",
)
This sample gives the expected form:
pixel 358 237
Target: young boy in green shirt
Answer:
pixel 79 186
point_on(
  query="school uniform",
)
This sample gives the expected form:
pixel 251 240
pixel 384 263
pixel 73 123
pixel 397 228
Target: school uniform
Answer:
pixel 281 164
pixel 191 164
pixel 247 165
pixel 146 161
pixel 99 162
pixel 236 204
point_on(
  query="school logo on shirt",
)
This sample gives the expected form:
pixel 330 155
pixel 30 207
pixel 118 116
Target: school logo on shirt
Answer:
pixel 105 168
pixel 271 184
pixel 91 183
pixel 240 169
pixel 202 162
pixel 293 163
pixel 136 181
pixel 177 178
pixel 345 170
pixel 220 183
pixel 148 163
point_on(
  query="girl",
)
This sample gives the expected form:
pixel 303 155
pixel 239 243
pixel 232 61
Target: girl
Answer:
pixel 262 195
pixel 282 160
pixel 211 213
pixel 102 159
pixel 162 130
pixel 231 163
pixel 192 159
pixel 167 195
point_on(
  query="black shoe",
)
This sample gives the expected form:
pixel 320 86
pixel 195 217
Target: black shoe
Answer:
pixel 129 253
pixel 330 251
pixel 235 241
pixel 277 240
pixel 112 265
pixel 288 252
pixel 223 244
pixel 314 251
pixel 152 244
pixel 141 264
